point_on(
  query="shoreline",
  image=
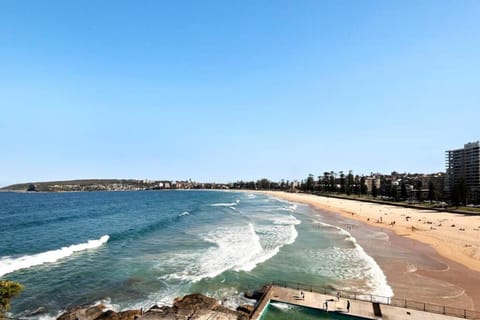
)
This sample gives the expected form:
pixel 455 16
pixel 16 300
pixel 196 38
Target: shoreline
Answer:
pixel 434 261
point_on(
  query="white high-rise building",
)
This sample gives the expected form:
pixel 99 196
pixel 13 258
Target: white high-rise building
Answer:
pixel 464 164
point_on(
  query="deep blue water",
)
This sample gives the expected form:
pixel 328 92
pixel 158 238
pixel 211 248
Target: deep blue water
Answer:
pixel 133 249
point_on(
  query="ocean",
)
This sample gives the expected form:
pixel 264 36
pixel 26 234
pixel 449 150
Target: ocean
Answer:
pixel 137 249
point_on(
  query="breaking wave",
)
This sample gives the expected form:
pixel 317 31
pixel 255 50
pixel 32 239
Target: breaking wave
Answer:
pixel 364 264
pixel 9 265
pixel 224 204
pixel 237 248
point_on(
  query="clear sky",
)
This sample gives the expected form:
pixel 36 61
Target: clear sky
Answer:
pixel 227 90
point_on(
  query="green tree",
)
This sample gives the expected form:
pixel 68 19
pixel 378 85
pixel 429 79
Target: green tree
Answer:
pixel 263 183
pixel 431 191
pixel 403 191
pixel 310 183
pixel 333 187
pixel 394 192
pixel 419 191
pixel 459 194
pixel 326 181
pixel 374 190
pixel 319 184
pixel 363 186
pixel 342 182
pixel 350 182
pixel 8 290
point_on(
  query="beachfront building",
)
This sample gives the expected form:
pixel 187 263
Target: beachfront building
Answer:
pixel 371 181
pixel 463 172
pixel 434 180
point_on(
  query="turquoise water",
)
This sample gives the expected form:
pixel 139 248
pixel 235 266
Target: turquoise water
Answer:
pixel 135 249
pixel 285 311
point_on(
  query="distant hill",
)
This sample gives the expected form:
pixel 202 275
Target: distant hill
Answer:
pixel 80 185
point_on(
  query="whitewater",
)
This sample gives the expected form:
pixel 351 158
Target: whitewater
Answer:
pixel 143 248
pixel 9 264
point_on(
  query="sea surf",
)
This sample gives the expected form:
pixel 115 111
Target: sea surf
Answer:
pixel 142 248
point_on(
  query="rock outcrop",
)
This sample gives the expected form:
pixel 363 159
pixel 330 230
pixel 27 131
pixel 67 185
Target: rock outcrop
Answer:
pixel 193 307
pixel 98 312
pixel 189 307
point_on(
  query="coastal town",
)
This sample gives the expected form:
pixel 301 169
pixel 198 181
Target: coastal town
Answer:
pixel 458 185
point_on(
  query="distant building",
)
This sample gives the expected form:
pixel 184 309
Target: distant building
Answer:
pixel 371 181
pixel 438 182
pixel 464 164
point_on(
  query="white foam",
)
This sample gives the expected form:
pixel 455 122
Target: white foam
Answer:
pixel 229 296
pixel 48 316
pixel 376 279
pixel 288 220
pixel 281 306
pixel 290 208
pixel 9 265
pixel 108 305
pixel 165 297
pixel 238 248
pixel 185 213
pixel 224 204
pixel 290 203
pixel 274 237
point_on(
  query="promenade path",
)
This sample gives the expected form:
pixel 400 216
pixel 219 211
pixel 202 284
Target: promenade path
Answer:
pixel 357 308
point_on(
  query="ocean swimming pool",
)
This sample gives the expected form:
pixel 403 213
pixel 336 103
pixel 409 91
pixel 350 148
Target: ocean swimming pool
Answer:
pixel 283 311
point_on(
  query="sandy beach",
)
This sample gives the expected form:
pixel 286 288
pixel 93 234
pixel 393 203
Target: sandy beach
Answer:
pixel 430 256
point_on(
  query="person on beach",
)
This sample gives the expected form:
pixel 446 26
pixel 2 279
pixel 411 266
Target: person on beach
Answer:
pixel 348 305
pixel 302 295
pixel 338 295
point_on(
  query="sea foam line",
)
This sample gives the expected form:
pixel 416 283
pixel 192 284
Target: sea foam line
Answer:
pixel 222 204
pixel 377 278
pixel 234 248
pixel 9 265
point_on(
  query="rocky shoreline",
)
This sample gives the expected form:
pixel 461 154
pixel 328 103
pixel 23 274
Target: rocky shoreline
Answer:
pixel 191 307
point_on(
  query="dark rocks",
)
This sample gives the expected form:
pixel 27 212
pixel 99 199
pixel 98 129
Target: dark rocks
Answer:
pixel 123 315
pixel 189 307
pixel 256 294
pixel 83 313
pixel 98 312
pixel 245 308
pixel 193 307
pixel 36 312
pixel 253 295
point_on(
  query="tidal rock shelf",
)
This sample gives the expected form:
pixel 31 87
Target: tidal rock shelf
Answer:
pixel 189 307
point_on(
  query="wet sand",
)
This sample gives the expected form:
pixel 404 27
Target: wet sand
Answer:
pixel 415 270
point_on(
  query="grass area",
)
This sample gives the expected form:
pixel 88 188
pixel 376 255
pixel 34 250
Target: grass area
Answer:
pixel 476 210
pixel 420 205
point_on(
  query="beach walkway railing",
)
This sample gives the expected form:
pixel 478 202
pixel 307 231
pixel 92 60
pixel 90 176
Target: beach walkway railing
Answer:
pixel 392 301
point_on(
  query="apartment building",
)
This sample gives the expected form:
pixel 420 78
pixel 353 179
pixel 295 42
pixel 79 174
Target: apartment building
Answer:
pixel 464 164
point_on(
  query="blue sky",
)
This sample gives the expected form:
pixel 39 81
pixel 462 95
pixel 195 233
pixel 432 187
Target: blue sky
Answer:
pixel 227 90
